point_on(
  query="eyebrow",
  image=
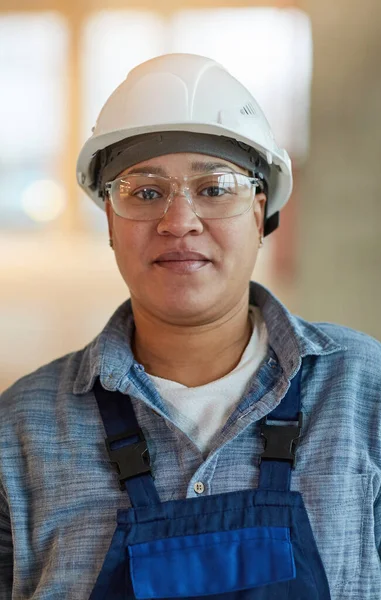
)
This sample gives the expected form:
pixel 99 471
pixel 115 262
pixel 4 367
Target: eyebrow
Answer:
pixel 197 166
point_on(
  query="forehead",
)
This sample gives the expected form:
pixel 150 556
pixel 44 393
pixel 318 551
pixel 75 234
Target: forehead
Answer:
pixel 183 163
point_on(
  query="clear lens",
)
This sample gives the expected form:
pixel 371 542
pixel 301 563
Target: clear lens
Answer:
pixel 212 196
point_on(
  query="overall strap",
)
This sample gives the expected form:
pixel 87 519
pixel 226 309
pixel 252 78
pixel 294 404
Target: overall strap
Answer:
pixel 126 446
pixel 281 439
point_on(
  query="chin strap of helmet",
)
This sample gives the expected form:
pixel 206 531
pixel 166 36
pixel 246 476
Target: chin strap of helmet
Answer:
pixel 271 223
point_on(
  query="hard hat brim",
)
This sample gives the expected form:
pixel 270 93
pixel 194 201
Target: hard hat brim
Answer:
pixel 281 174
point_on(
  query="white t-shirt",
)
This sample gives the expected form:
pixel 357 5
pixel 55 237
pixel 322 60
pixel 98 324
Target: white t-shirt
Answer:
pixel 201 411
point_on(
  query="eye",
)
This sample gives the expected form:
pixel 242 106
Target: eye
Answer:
pixel 214 189
pixel 147 194
pixel 215 185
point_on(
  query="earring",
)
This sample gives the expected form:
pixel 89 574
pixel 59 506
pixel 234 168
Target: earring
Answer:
pixel 261 242
pixel 111 243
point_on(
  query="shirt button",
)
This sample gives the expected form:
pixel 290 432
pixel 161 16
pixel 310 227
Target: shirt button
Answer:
pixel 199 487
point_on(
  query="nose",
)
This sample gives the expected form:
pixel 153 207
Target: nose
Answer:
pixel 179 218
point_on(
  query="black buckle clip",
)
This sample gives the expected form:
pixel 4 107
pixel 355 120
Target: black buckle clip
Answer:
pixel 281 440
pixel 132 459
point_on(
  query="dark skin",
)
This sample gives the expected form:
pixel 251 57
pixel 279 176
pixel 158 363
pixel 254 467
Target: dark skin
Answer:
pixel 191 328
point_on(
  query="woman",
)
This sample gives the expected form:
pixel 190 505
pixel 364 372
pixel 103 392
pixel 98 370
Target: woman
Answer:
pixel 242 457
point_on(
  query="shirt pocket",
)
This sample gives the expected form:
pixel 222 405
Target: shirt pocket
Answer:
pixel 336 507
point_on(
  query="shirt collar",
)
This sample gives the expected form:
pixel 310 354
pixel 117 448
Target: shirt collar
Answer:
pixel 109 355
pixel 290 337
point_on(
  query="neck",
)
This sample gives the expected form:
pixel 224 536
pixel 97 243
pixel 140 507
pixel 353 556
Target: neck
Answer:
pixel 191 355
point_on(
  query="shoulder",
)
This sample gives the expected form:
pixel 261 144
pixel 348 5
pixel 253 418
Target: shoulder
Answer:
pixel 42 385
pixel 357 343
pixel 323 333
pixel 344 353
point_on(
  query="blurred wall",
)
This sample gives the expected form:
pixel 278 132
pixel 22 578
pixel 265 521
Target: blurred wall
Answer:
pixel 58 289
pixel 340 209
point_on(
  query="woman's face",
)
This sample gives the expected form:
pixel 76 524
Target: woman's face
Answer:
pixel 211 288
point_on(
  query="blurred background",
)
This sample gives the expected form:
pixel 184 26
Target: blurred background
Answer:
pixel 313 65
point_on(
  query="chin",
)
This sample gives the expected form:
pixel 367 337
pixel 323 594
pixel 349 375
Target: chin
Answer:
pixel 184 306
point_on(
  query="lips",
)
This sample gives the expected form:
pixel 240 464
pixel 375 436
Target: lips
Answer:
pixel 183 262
pixel 181 256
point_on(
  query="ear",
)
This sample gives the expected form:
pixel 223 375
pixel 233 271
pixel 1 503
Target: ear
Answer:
pixel 259 211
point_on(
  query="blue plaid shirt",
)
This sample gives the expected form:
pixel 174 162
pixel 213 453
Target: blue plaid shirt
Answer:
pixel 59 494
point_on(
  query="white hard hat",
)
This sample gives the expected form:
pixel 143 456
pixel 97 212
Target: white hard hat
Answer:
pixel 187 93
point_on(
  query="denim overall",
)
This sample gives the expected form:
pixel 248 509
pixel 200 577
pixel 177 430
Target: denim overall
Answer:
pixel 254 544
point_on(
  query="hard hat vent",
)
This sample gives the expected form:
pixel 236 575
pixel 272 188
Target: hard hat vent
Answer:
pixel 248 110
